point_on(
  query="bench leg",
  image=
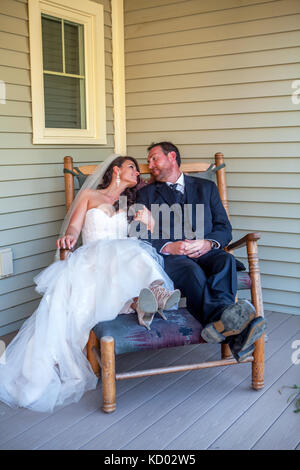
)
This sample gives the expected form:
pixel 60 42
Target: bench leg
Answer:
pixel 108 374
pixel 258 365
pixel 93 341
pixel 225 351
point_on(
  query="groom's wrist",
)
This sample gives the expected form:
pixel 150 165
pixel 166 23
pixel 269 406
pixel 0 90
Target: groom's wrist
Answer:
pixel 214 244
pixel 163 249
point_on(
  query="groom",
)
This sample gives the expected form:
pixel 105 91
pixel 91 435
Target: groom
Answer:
pixel 200 268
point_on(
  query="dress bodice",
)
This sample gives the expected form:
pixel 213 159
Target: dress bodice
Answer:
pixel 98 225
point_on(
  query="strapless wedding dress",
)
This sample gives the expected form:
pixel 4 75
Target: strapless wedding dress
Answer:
pixel 45 365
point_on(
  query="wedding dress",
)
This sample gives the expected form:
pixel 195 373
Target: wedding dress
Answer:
pixel 45 365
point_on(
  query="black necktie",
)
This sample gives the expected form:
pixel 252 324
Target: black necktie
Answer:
pixel 177 194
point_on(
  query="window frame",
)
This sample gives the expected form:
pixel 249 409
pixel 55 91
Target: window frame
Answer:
pixel 91 16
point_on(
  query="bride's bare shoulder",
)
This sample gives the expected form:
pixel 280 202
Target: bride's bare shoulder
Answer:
pixel 86 197
pixel 92 198
pixel 88 193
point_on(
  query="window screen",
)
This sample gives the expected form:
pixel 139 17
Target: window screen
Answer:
pixel 64 73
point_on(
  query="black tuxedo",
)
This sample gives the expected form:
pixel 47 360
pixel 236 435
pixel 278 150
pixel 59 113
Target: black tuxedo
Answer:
pixel 208 282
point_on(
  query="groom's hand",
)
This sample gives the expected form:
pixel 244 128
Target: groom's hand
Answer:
pixel 174 248
pixel 190 248
pixel 196 248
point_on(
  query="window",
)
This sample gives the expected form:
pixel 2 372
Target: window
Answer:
pixel 67 72
pixel 64 77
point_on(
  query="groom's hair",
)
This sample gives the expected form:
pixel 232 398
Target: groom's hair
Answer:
pixel 166 148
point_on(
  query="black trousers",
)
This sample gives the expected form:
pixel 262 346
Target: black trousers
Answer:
pixel 209 282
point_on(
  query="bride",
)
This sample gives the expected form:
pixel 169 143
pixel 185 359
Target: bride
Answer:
pixel 46 365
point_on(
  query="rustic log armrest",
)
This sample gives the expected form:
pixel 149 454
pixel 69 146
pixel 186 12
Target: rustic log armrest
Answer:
pixel 250 237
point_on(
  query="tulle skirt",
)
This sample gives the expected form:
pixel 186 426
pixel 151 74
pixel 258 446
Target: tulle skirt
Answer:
pixel 45 365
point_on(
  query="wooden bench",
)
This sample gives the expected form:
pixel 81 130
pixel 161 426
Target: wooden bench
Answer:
pixel 124 334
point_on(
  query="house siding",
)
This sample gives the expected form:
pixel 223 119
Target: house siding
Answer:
pixel 31 182
pixel 217 76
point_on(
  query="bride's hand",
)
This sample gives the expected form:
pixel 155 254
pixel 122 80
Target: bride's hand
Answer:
pixel 66 242
pixel 144 216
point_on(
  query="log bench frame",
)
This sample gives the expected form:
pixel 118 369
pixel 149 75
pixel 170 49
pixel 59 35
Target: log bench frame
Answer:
pixel 101 354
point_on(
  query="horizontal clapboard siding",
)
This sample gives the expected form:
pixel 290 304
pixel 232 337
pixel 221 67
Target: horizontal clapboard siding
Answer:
pixel 217 76
pixel 31 183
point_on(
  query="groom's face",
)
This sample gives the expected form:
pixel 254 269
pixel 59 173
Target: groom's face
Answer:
pixel 160 165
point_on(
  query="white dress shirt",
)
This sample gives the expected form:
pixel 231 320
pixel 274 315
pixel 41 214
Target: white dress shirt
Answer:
pixel 180 183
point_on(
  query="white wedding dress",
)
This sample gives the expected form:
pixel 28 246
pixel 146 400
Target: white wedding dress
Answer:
pixel 45 365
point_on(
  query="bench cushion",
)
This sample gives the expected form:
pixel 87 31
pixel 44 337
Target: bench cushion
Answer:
pixel 180 328
pixel 244 280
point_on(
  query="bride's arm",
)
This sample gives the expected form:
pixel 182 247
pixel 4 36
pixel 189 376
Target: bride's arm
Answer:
pixel 68 241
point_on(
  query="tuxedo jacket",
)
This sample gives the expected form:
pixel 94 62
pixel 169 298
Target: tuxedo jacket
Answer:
pixel 197 191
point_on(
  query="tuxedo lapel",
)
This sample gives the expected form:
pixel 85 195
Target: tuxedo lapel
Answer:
pixel 190 190
pixel 191 199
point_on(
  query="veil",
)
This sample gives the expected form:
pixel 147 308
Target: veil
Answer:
pixel 91 182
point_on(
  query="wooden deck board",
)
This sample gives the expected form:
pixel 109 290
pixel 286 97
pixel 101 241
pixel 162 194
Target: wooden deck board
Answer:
pixel 287 426
pixel 7 412
pixel 210 408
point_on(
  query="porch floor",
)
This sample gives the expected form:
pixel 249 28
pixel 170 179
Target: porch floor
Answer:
pixel 206 409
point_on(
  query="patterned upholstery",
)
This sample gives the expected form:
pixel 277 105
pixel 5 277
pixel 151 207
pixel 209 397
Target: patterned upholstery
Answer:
pixel 180 328
pixel 244 280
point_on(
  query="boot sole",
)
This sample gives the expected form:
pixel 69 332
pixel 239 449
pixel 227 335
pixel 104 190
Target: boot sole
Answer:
pixel 229 324
pixel 256 330
pixel 242 355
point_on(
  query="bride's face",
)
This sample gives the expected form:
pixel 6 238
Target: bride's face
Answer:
pixel 128 173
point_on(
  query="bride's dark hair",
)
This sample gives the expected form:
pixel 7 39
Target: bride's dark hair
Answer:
pixel 130 193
